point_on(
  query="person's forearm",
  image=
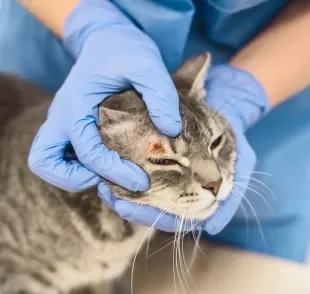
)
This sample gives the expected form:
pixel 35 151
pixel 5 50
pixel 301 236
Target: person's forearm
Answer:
pixel 280 56
pixel 52 13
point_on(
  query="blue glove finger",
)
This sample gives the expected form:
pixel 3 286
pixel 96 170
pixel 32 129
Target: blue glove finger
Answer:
pixel 106 196
pixel 236 92
pixel 161 99
pixel 149 216
pixel 90 150
pixel 143 215
pixel 46 161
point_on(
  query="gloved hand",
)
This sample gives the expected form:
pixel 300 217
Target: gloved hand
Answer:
pixel 112 55
pixel 240 98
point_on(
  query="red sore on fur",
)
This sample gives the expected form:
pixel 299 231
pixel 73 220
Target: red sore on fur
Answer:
pixel 156 148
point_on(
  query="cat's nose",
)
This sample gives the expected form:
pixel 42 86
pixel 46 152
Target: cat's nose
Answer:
pixel 213 187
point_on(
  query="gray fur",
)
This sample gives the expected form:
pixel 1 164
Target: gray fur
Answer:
pixel 54 242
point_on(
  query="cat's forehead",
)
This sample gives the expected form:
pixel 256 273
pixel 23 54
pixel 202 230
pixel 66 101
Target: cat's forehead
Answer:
pixel 193 141
pixel 201 123
pixel 199 129
pixel 175 148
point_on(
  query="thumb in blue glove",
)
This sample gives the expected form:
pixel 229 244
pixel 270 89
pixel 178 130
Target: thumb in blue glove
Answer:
pixel 112 55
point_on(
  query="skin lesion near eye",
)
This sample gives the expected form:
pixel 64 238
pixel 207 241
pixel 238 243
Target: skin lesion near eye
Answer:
pixel 156 148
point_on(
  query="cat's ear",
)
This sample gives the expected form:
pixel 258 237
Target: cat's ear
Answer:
pixel 120 107
pixel 108 115
pixel 192 74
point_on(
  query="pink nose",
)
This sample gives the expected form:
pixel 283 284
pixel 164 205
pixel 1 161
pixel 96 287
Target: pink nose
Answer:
pixel 213 187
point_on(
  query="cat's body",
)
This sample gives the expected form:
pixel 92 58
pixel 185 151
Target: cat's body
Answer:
pixel 52 241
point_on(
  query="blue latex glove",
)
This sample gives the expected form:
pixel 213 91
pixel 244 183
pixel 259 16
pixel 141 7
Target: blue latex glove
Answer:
pixel 240 98
pixel 112 55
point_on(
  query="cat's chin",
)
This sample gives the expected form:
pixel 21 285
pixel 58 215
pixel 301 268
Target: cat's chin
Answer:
pixel 199 211
pixel 196 214
pixel 203 213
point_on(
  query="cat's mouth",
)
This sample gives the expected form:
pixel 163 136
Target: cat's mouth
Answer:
pixel 195 210
pixel 203 212
pixel 200 205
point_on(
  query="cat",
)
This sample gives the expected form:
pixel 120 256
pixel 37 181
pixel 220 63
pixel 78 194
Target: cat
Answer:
pixel 56 242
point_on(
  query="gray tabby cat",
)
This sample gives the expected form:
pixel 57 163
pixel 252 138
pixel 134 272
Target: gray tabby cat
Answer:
pixel 53 242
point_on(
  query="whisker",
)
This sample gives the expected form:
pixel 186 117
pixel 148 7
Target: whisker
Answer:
pixel 261 183
pixel 147 247
pixel 261 196
pixel 266 193
pixel 176 258
pixel 173 259
pixel 184 233
pixel 184 259
pixel 145 235
pixel 195 249
pixel 255 172
pixel 198 246
pixel 246 216
pixel 216 111
pixel 179 251
pixel 257 220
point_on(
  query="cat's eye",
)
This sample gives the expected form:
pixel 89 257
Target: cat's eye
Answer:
pixel 162 161
pixel 216 143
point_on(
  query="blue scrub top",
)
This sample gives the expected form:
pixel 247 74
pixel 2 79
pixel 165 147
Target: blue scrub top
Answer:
pixel 220 22
pixel 181 28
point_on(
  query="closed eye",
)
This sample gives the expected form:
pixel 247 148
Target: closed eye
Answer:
pixel 162 161
pixel 216 142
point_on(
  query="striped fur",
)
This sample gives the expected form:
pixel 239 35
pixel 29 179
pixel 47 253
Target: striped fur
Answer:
pixel 51 241
pixel 54 242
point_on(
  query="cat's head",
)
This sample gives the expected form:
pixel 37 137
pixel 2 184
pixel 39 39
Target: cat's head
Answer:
pixel 190 174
